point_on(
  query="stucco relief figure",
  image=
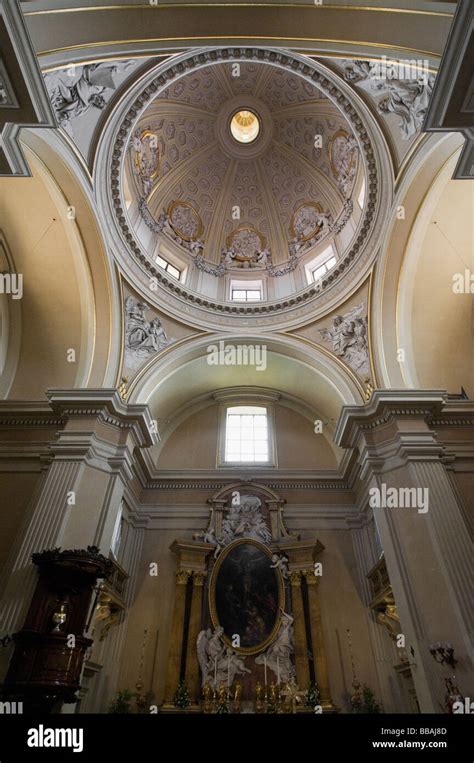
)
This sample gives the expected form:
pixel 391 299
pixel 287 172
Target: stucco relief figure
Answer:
pixel 348 336
pixel 218 663
pixel 311 226
pixel 407 98
pixel 142 337
pixel 76 89
pixel 184 221
pixel 280 561
pixel 262 258
pixel 145 158
pixel 278 655
pixel 229 260
pixel 306 222
pixel 344 160
pixel 246 520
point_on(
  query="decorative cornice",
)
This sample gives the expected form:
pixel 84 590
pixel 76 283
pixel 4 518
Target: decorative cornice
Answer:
pixel 108 407
pixel 275 484
pixel 40 421
pixel 383 407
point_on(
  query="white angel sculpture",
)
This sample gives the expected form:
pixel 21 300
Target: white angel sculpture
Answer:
pixel 218 663
pixel 280 561
pixel 278 654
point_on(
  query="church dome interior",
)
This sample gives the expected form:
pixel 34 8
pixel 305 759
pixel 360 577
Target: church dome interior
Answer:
pixel 253 218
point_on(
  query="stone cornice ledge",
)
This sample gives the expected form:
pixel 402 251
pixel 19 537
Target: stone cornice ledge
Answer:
pixel 108 406
pixel 24 413
pixel 383 407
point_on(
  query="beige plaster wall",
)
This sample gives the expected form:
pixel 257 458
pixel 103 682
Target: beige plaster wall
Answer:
pixel 443 321
pixel 193 445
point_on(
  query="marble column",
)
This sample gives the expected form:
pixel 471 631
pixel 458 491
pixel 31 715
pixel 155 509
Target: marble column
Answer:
pixel 317 638
pixel 427 549
pixel 299 631
pixel 176 635
pixel 192 664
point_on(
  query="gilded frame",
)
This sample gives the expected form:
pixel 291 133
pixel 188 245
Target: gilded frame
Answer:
pixel 148 134
pixel 212 596
pixel 251 229
pixel 317 206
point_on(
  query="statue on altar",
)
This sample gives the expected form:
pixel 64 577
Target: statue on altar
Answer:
pixel 278 655
pixel 218 663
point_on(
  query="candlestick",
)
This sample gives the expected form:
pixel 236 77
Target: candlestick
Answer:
pixel 265 664
pixel 228 673
pixel 215 671
pixel 278 670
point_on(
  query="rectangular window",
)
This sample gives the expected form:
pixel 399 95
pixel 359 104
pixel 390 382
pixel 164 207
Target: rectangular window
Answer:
pixel 168 267
pixel 320 265
pixel 318 272
pixel 246 435
pixel 246 295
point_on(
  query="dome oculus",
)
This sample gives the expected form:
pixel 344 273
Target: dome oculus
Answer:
pixel 245 126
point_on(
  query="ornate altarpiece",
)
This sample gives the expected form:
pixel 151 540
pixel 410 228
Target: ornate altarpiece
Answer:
pixel 246 608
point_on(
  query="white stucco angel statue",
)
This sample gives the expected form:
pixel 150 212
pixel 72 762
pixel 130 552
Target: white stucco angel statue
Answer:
pixel 280 561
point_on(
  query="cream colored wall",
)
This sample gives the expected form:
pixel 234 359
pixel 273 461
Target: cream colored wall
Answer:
pixel 193 445
pixel 35 230
pixel 342 607
pixel 442 321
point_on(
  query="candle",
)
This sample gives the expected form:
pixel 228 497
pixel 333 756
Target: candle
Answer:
pixel 278 670
pixel 265 663
pixel 228 673
pixel 215 671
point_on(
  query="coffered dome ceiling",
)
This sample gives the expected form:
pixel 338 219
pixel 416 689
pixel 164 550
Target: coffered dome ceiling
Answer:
pixel 249 172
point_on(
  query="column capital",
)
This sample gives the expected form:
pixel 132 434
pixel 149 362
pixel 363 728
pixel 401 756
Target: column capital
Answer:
pixel 199 578
pixel 182 576
pixel 295 577
pixel 310 577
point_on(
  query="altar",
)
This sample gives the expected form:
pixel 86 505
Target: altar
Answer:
pixel 247 632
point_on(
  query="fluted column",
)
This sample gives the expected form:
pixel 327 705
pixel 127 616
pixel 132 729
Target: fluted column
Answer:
pixel 192 664
pixel 176 635
pixel 317 637
pixel 299 631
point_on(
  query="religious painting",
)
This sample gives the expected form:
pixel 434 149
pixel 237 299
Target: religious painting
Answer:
pixel 246 595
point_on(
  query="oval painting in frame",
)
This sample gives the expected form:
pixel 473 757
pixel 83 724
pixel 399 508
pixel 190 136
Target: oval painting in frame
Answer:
pixel 246 595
